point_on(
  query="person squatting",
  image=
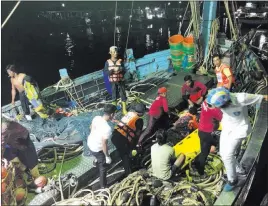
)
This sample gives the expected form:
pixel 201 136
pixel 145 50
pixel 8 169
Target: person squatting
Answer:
pixel 206 111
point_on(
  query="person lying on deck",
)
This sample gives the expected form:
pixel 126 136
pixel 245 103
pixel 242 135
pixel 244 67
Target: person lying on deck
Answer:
pixel 193 91
pixel 157 112
pixel 187 123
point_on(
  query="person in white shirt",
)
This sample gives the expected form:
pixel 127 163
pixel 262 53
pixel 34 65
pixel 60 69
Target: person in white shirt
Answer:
pixel 97 140
pixel 235 126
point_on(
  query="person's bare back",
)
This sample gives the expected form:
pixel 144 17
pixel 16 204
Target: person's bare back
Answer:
pixel 17 82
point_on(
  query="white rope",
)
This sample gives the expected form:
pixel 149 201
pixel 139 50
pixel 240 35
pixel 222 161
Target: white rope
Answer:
pixel 129 23
pixel 115 16
pixel 233 31
pixel 10 14
pixel 183 18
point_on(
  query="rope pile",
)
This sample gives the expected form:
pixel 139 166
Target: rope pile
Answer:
pixel 139 188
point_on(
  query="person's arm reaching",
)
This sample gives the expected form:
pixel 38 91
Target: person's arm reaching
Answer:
pixel 105 150
pixel 139 127
pixel 121 68
pixel 165 105
pixel 246 99
pixel 202 87
pixel 217 114
pixel 13 93
pixel 105 146
pixel 183 90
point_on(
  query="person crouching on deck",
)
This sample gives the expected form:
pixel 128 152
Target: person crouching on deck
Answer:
pixel 162 156
pixel 18 147
pixel 116 71
pixel 126 134
pixel 224 74
pixel 28 92
pixel 235 127
pixel 192 91
pixel 97 140
pixel 156 111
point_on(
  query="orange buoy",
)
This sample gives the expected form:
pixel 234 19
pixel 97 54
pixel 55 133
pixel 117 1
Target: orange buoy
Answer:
pixel 20 194
pixel 4 187
pixel 40 181
pixel 4 172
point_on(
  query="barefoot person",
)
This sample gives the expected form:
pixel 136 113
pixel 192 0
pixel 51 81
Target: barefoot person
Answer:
pixel 28 92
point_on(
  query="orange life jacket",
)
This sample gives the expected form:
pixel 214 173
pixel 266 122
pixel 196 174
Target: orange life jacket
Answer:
pixel 193 124
pixel 221 77
pixel 116 76
pixel 127 125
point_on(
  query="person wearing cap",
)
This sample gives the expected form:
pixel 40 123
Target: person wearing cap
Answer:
pixel 156 111
pixel 193 91
pixel 225 77
pixel 98 138
pixel 115 69
pixel 126 133
pixel 209 122
pixel 235 127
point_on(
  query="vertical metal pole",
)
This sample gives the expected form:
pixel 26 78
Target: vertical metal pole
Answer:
pixel 209 14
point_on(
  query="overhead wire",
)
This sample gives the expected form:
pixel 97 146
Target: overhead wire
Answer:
pixel 129 24
pixel 10 14
pixel 115 17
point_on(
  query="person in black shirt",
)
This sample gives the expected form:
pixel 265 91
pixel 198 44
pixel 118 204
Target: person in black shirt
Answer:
pixel 126 134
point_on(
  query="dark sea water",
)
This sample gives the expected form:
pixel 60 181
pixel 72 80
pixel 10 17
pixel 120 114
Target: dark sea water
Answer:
pixel 38 44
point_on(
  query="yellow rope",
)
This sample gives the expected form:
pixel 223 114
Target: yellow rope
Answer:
pixel 234 32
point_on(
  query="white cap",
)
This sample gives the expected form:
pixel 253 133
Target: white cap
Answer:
pixel 113 49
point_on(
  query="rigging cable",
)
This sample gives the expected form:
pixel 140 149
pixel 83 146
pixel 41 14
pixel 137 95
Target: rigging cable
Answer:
pixel 129 24
pixel 234 33
pixel 10 14
pixel 115 17
pixel 179 32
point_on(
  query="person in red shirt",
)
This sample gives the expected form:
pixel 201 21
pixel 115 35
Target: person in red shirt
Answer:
pixel 192 91
pixel 158 108
pixel 208 118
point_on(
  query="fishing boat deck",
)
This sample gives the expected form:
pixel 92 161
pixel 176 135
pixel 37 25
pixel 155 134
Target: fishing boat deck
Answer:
pixel 82 166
